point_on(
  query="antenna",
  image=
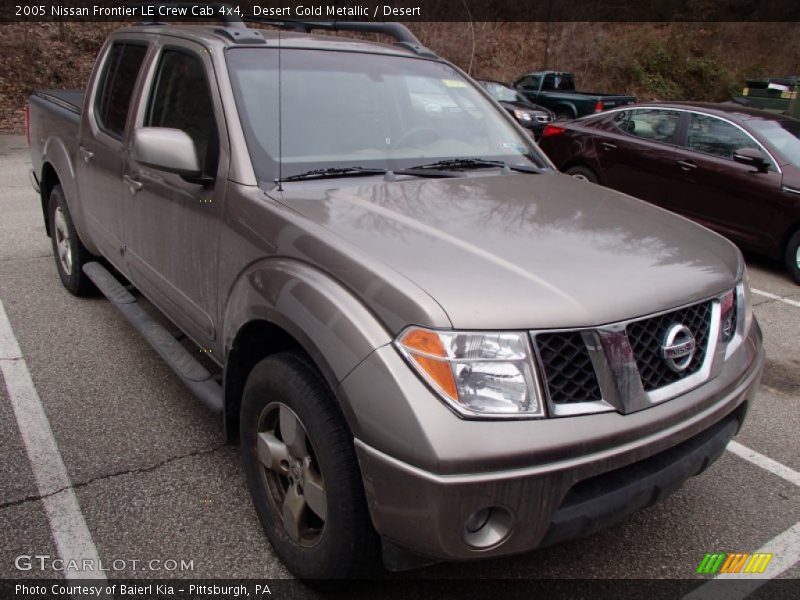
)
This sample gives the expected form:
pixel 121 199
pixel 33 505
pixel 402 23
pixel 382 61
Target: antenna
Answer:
pixel 280 117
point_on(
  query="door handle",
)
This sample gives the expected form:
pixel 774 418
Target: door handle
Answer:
pixel 687 165
pixel 86 154
pixel 133 184
pixel 608 145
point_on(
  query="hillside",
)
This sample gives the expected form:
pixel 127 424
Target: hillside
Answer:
pixel 692 61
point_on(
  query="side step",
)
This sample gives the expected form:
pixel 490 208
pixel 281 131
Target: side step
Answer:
pixel 192 373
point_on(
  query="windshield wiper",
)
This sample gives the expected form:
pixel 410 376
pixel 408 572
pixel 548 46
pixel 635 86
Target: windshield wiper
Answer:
pixel 442 168
pixel 335 172
pixel 474 163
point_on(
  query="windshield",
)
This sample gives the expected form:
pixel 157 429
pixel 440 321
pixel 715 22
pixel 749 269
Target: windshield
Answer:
pixel 782 135
pixel 342 109
pixel 503 93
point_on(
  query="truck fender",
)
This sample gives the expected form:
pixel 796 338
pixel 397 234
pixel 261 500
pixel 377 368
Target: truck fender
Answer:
pixel 56 156
pixel 318 313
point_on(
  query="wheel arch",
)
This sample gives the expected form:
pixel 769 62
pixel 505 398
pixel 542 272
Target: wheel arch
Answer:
pixel 58 169
pixel 48 180
pixel 790 231
pixel 283 304
pixel 569 106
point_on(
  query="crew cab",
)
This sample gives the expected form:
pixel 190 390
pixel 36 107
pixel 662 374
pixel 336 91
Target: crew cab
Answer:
pixel 429 343
pixel 556 90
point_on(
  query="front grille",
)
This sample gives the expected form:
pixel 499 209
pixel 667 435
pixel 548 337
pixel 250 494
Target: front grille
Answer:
pixel 543 118
pixel 567 368
pixel 647 336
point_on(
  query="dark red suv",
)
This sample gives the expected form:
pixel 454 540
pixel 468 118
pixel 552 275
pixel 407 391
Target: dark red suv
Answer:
pixel 733 169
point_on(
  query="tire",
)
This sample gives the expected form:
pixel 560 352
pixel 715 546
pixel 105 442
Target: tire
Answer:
pixel 69 253
pixel 582 173
pixel 321 545
pixel 792 256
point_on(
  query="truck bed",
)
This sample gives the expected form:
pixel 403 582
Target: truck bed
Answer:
pixel 71 100
pixel 55 114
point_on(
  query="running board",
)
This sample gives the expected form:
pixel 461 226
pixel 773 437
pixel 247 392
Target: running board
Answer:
pixel 194 375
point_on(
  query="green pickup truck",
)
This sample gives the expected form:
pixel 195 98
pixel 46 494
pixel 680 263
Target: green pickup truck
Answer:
pixel 556 90
pixel 776 94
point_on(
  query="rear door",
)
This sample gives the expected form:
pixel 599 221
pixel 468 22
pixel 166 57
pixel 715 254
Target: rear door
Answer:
pixel 710 187
pixel 636 151
pixel 173 225
pixel 100 164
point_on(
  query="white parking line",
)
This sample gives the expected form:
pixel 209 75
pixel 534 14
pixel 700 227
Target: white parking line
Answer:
pixel 765 462
pixel 784 547
pixel 70 534
pixel 776 297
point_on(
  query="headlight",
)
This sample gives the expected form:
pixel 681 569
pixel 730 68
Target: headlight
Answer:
pixel 522 115
pixel 746 302
pixel 743 313
pixel 477 374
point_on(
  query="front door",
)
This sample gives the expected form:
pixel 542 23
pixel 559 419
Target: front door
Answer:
pixel 710 187
pixel 172 224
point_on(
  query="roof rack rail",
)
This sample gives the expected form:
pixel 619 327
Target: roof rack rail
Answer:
pixel 230 18
pixel 401 34
pixel 234 28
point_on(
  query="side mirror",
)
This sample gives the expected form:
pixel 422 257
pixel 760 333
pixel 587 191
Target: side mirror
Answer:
pixel 752 158
pixel 165 149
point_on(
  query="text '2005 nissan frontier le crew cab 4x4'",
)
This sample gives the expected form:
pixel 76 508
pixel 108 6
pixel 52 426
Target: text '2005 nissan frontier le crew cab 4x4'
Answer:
pixel 429 344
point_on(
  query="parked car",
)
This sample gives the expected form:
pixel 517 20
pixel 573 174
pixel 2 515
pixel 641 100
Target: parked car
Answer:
pixel 733 169
pixel 530 116
pixel 427 341
pixel 556 91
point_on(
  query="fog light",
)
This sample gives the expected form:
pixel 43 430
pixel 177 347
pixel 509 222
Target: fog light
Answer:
pixel 478 520
pixel 488 527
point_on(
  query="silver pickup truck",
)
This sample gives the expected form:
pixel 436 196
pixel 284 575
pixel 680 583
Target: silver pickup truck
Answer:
pixel 429 344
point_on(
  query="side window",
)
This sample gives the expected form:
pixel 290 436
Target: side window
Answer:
pixel 549 82
pixel 529 82
pixel 714 136
pixel 648 123
pixel 181 99
pixel 116 86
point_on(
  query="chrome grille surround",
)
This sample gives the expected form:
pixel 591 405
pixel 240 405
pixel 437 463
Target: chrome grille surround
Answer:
pixel 615 367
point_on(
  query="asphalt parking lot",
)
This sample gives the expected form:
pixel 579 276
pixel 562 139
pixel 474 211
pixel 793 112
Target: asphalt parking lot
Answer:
pixel 153 478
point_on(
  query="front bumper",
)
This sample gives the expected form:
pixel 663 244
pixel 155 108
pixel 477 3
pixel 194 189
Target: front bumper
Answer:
pixel 548 480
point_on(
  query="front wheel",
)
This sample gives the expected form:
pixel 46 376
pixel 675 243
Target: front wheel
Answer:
pixel 793 256
pixel 69 252
pixel 303 473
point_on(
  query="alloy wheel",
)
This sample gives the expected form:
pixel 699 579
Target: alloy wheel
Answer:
pixel 63 246
pixel 291 474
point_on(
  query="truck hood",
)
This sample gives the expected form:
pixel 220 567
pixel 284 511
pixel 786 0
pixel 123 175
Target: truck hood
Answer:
pixel 525 251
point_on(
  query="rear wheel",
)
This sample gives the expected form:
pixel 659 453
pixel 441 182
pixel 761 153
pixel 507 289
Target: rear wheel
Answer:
pixel 582 173
pixel 303 473
pixel 564 114
pixel 69 252
pixel 793 256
